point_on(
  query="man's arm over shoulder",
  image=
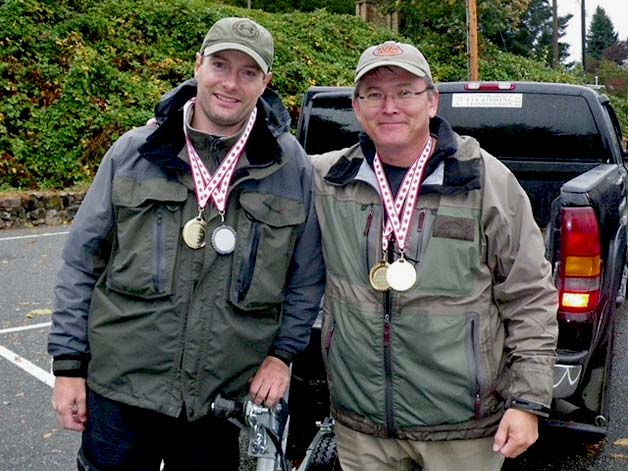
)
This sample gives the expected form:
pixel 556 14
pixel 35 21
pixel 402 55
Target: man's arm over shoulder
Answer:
pixel 523 288
pixel 306 280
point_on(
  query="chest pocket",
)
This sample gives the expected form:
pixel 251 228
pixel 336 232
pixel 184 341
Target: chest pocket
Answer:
pixel 451 261
pixel 148 222
pixel 268 230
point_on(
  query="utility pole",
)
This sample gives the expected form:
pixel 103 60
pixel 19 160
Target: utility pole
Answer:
pixel 472 40
pixel 248 4
pixel 555 55
pixel 583 14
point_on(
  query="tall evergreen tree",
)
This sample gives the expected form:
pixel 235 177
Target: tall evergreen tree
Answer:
pixel 601 34
pixel 533 36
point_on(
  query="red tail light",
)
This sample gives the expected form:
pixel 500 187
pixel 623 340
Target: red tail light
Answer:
pixel 580 260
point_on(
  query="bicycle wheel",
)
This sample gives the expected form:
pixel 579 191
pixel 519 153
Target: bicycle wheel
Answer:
pixel 324 456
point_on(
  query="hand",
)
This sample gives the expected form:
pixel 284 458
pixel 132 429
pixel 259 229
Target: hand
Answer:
pixel 517 431
pixel 270 382
pixel 69 402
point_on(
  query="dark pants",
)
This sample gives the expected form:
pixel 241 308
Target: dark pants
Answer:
pixel 119 437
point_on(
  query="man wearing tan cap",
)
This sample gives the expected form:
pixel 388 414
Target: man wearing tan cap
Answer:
pixel 192 269
pixel 439 328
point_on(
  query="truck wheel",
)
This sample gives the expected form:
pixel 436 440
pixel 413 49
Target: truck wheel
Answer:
pixel 324 457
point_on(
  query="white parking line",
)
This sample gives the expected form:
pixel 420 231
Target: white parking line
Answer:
pixel 27 366
pixel 25 327
pixel 22 362
pixel 47 234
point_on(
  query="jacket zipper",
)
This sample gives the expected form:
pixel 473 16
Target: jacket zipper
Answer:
pixel 477 398
pixel 388 402
pixel 419 230
pixel 367 230
pixel 248 266
pixel 159 242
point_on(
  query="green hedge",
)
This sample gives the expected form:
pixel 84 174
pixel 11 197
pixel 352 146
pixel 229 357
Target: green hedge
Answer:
pixel 76 74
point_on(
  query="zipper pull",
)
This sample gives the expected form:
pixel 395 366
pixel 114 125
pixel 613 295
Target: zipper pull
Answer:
pixel 369 220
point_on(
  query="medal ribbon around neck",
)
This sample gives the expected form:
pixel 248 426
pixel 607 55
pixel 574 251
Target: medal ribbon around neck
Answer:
pixel 405 201
pixel 216 186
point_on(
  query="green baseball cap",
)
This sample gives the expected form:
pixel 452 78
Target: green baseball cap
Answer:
pixel 390 54
pixel 241 34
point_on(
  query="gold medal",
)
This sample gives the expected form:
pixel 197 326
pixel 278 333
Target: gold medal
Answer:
pixel 377 276
pixel 401 275
pixel 194 233
pixel 224 239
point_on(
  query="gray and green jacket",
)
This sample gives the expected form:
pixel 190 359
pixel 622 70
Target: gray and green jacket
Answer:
pixel 476 334
pixel 155 324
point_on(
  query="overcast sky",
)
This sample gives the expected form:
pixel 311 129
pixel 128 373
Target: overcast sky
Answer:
pixel 617 11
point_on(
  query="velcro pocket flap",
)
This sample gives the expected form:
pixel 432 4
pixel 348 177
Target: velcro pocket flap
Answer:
pixel 453 227
pixel 132 193
pixel 272 210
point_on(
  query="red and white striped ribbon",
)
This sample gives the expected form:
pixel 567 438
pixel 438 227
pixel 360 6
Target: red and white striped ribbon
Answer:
pixel 405 202
pixel 216 186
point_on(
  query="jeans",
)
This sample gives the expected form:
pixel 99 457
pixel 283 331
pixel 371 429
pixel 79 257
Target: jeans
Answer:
pixel 119 437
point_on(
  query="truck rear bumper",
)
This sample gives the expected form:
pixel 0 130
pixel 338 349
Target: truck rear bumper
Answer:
pixel 567 372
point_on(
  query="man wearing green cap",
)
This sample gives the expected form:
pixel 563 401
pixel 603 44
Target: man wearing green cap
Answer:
pixel 439 316
pixel 192 269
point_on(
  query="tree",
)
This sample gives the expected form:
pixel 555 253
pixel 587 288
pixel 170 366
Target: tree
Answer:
pixel 444 21
pixel 601 34
pixel 533 36
pixel 617 53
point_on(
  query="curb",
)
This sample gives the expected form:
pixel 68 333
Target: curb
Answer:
pixel 36 209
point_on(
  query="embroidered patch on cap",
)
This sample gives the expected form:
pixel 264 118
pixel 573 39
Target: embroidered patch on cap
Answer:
pixel 387 49
pixel 246 30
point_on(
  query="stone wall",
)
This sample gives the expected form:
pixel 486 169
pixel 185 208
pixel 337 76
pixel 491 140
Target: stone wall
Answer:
pixel 35 209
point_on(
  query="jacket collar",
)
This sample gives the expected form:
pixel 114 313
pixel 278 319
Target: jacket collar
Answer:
pixel 458 175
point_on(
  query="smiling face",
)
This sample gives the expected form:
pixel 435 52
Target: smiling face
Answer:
pixel 229 84
pixel 393 115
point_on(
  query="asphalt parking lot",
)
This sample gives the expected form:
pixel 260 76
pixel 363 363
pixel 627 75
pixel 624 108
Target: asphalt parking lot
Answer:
pixel 30 438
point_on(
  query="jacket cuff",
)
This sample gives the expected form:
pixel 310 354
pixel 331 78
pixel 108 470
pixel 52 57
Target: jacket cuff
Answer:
pixel 70 366
pixel 528 406
pixel 283 356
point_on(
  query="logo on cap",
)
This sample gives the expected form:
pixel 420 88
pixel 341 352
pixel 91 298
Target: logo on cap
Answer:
pixel 246 30
pixel 387 49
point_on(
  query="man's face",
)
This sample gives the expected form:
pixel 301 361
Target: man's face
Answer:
pixel 229 84
pixel 390 112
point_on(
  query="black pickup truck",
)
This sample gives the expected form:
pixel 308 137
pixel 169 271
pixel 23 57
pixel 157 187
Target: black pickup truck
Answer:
pixel 563 143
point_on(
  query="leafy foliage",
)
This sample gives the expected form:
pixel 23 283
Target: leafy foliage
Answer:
pixel 76 74
pixel 346 7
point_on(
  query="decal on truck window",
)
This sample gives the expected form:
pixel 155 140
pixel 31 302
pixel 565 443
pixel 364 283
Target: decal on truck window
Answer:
pixel 487 100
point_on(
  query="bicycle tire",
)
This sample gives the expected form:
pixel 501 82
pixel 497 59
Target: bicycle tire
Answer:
pixel 324 456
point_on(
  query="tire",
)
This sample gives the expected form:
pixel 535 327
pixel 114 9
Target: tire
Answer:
pixel 621 293
pixel 324 456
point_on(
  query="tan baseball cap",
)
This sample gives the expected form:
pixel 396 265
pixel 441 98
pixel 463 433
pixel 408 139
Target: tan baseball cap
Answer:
pixel 390 54
pixel 244 35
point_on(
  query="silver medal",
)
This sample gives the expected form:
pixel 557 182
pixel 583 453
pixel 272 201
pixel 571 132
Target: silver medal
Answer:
pixel 401 275
pixel 224 239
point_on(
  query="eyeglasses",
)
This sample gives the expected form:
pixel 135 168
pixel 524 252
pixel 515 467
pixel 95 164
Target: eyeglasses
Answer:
pixel 400 97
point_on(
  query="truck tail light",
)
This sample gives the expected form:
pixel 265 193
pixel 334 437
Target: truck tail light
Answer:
pixel 580 260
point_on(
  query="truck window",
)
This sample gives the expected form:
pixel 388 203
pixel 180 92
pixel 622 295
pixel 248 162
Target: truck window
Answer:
pixel 332 125
pixel 556 127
